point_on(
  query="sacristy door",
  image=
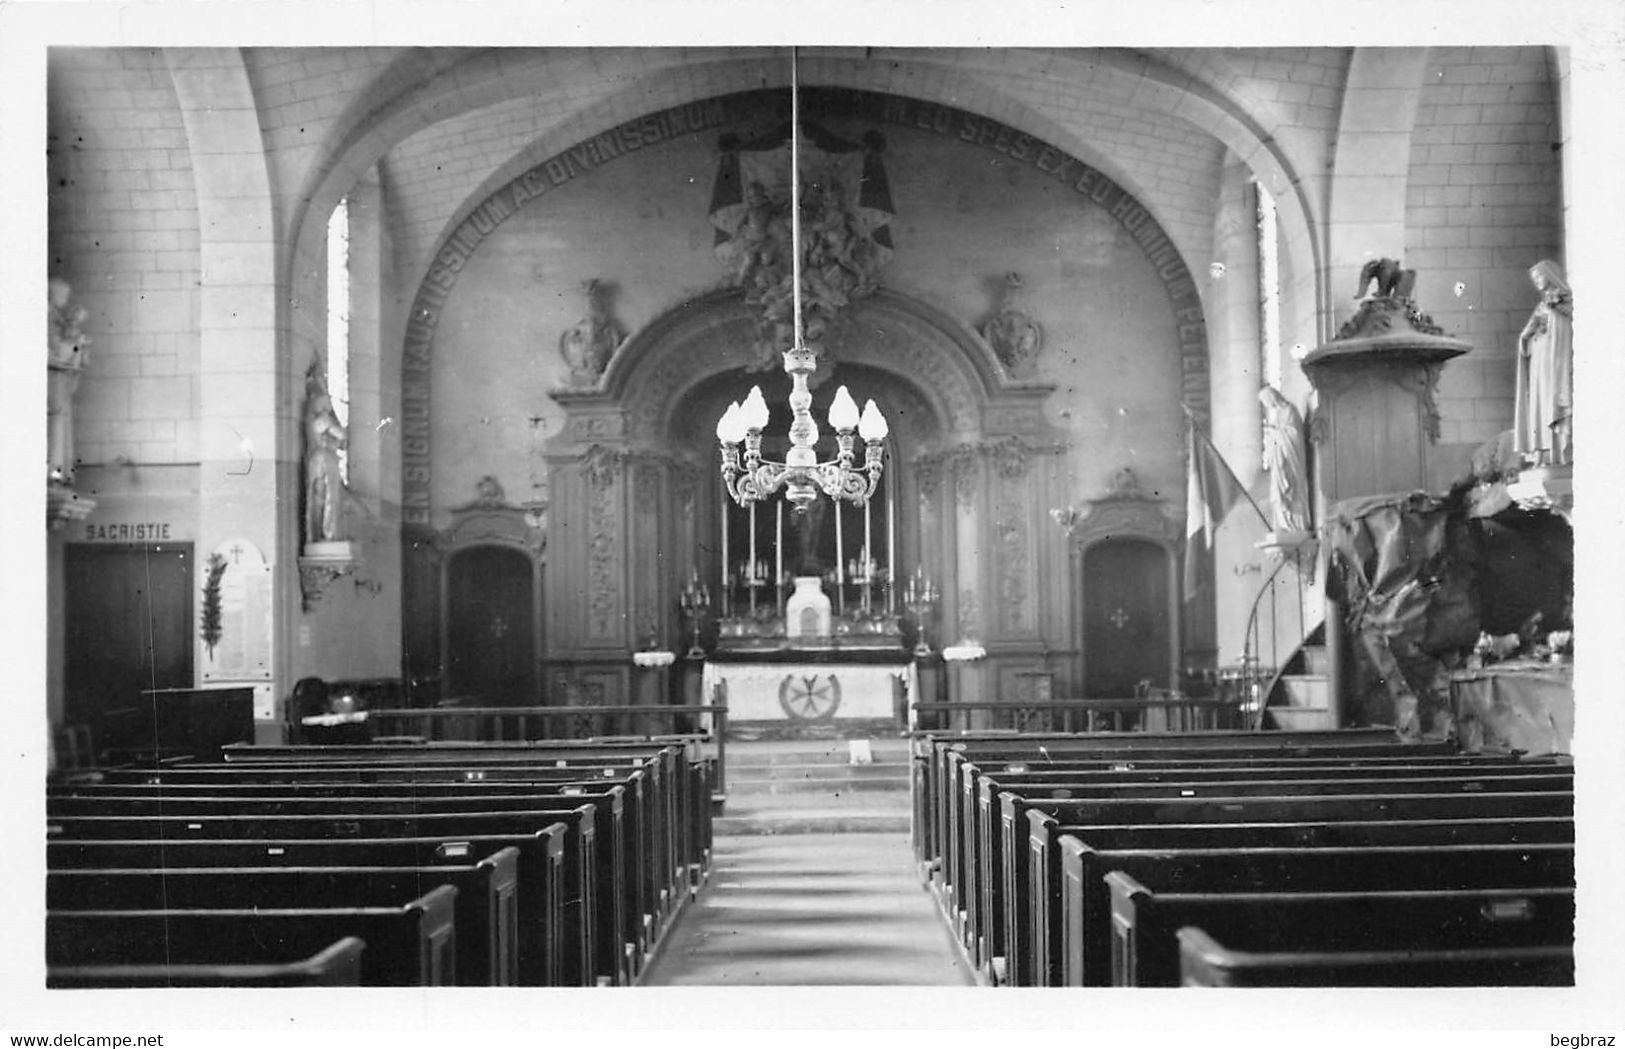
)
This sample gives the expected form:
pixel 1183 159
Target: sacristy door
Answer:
pixel 491 626
pixel 1126 628
pixel 127 625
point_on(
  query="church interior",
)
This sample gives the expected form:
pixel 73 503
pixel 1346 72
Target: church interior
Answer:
pixel 810 440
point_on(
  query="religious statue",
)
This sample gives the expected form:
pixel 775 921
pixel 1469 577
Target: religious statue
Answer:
pixel 588 345
pixel 324 439
pixel 1284 459
pixel 1544 407
pixel 1015 337
pixel 65 360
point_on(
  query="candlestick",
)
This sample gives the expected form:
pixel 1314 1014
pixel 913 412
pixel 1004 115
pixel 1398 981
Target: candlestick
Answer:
pixel 891 552
pixel 840 564
pixel 727 597
pixel 868 575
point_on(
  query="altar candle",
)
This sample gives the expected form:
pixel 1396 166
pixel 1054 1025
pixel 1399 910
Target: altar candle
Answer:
pixel 752 572
pixel 840 563
pixel 891 552
pixel 778 557
pixel 868 558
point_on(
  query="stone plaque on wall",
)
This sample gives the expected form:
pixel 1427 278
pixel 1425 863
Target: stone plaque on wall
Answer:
pixel 235 614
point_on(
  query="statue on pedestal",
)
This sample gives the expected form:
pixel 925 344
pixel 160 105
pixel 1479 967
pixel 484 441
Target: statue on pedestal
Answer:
pixel 325 437
pixel 588 345
pixel 66 357
pixel 1544 412
pixel 1015 337
pixel 1284 459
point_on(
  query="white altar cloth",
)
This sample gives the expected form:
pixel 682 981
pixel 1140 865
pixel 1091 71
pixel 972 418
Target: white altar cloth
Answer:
pixel 809 691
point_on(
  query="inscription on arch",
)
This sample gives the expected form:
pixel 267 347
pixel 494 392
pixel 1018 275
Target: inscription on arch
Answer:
pixel 635 135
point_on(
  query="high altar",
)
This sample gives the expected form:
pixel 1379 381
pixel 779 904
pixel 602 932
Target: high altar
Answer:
pixel 788 660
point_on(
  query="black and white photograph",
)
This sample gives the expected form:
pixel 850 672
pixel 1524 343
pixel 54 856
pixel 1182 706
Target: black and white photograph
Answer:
pixel 719 517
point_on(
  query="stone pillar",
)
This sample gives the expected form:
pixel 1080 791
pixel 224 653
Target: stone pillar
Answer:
pixel 248 470
pixel 968 590
pixel 1236 373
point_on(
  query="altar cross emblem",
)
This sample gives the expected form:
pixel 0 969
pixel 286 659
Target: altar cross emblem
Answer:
pixel 1118 618
pixel 805 696
pixel 499 627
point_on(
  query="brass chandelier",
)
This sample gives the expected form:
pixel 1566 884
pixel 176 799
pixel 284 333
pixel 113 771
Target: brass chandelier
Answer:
pixel 801 475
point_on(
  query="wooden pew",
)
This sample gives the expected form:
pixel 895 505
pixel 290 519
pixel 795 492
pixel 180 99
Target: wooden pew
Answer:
pixel 684 798
pixel 971 799
pixel 637 873
pixel 1032 860
pixel 413 944
pixel 613 933
pixel 336 965
pixel 668 836
pixel 972 867
pixel 1083 904
pixel 1000 905
pixel 486 909
pixel 552 947
pixel 930 840
pixel 632 873
pixel 1204 962
pixel 939 790
pixel 1145 952
pixel 931 748
pixel 657 794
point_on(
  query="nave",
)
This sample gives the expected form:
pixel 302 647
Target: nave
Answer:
pixel 451 579
pixel 1136 859
pixel 811 909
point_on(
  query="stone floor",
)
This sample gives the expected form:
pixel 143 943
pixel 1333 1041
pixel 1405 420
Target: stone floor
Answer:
pixel 808 908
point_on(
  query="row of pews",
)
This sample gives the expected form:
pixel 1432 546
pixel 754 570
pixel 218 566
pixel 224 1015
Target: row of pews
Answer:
pixel 558 864
pixel 1237 858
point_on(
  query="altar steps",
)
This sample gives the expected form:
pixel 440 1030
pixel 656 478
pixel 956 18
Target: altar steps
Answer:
pixel 812 787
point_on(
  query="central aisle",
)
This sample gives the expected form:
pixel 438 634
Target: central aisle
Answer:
pixel 810 909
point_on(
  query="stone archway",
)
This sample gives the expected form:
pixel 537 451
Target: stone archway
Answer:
pixel 630 475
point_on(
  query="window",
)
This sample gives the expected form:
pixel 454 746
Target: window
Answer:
pixel 338 321
pixel 1269 291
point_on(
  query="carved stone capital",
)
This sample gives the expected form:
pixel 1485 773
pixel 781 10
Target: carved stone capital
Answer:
pixel 602 465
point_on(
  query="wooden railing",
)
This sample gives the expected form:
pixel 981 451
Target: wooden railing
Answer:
pixel 1168 713
pixel 521 724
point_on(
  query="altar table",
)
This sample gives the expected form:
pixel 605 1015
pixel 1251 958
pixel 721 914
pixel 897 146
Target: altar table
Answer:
pixel 822 691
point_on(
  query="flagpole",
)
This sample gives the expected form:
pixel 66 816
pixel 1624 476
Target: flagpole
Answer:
pixel 1198 435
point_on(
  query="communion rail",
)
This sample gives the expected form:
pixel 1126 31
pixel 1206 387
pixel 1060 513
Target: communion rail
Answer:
pixel 1167 713
pixel 521 724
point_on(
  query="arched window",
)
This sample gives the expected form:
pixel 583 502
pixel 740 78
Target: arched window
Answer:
pixel 338 320
pixel 1269 290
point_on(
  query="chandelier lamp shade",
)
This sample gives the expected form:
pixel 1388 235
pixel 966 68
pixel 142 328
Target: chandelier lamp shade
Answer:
pixel 801 475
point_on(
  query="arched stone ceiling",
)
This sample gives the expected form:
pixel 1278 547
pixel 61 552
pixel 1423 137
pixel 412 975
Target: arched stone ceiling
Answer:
pixel 438 174
pixel 1157 123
